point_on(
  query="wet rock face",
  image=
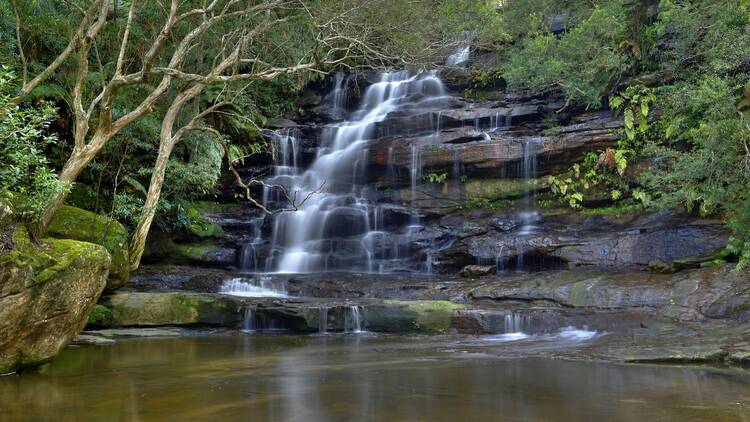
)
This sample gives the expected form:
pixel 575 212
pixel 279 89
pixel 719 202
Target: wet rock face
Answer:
pixel 46 296
pixel 474 271
pixel 481 153
pixel 574 240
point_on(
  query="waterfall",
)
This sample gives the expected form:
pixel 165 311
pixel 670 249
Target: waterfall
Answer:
pixel 322 320
pixel 261 288
pixel 528 216
pixel 353 319
pixel 416 173
pixel 340 95
pixel 248 320
pixel 517 323
pixel 254 321
pixel 335 228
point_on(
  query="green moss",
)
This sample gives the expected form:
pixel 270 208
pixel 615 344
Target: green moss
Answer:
pixel 100 316
pixel 77 224
pixel 52 256
pixel 500 188
pixel 173 308
pixel 199 226
pixel 429 315
pixel 161 247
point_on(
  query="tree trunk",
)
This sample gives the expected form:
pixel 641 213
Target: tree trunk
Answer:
pixel 78 160
pixel 167 141
pixel 138 239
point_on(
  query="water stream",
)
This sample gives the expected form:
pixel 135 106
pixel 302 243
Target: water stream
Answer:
pixel 372 378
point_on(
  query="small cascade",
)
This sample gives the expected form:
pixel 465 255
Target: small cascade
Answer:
pixel 248 320
pixel 498 261
pixel 259 288
pixel 438 119
pixel 353 319
pixel 340 95
pixel 322 320
pixel 461 54
pixel 457 168
pixel 416 174
pixel 528 216
pixel 254 321
pixel 390 171
pixel 517 323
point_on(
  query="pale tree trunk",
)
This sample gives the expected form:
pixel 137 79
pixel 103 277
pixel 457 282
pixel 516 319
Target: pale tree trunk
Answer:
pixel 77 161
pixel 167 142
pixel 138 239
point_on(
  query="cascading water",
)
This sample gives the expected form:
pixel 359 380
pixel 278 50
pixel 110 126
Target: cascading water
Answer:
pixel 517 323
pixel 353 319
pixel 339 226
pixel 322 320
pixel 260 288
pixel 528 216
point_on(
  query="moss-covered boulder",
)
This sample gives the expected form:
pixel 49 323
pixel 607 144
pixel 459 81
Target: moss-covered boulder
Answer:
pixel 428 316
pixel 46 295
pixel 172 308
pixel 77 224
pixel 162 249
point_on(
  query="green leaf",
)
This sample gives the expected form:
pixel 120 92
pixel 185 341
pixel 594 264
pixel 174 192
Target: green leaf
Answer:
pixel 629 119
pixel 644 109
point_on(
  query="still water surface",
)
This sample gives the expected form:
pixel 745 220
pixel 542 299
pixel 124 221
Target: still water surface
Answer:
pixel 262 377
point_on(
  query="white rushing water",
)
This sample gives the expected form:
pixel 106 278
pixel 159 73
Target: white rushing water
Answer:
pixel 460 56
pixel 340 226
pixel 240 287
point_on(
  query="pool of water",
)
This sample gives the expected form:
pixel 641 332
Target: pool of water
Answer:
pixel 260 377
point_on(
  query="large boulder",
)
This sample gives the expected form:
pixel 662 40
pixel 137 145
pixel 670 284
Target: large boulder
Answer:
pixel 77 224
pixel 46 295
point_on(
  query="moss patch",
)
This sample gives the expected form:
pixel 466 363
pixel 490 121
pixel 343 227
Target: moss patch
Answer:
pixel 500 188
pixel 52 256
pixel 100 316
pixel 77 224
pixel 199 226
pixel 430 316
pixel 172 308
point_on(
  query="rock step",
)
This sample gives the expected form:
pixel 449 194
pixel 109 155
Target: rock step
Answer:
pixel 139 309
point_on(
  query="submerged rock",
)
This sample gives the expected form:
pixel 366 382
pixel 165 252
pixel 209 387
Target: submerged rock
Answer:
pixel 46 296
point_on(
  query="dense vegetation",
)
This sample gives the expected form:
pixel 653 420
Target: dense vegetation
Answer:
pixel 678 71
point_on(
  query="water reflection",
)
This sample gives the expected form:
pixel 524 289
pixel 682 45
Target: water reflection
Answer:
pixel 368 377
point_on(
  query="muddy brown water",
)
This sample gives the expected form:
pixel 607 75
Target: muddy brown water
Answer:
pixel 346 377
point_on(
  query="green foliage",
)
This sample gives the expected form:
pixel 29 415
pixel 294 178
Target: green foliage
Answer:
pixel 634 103
pixel 739 243
pixel 603 175
pixel 438 178
pixel 584 62
pixel 25 174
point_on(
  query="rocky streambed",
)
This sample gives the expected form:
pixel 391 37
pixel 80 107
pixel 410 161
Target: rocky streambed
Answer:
pixel 697 316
